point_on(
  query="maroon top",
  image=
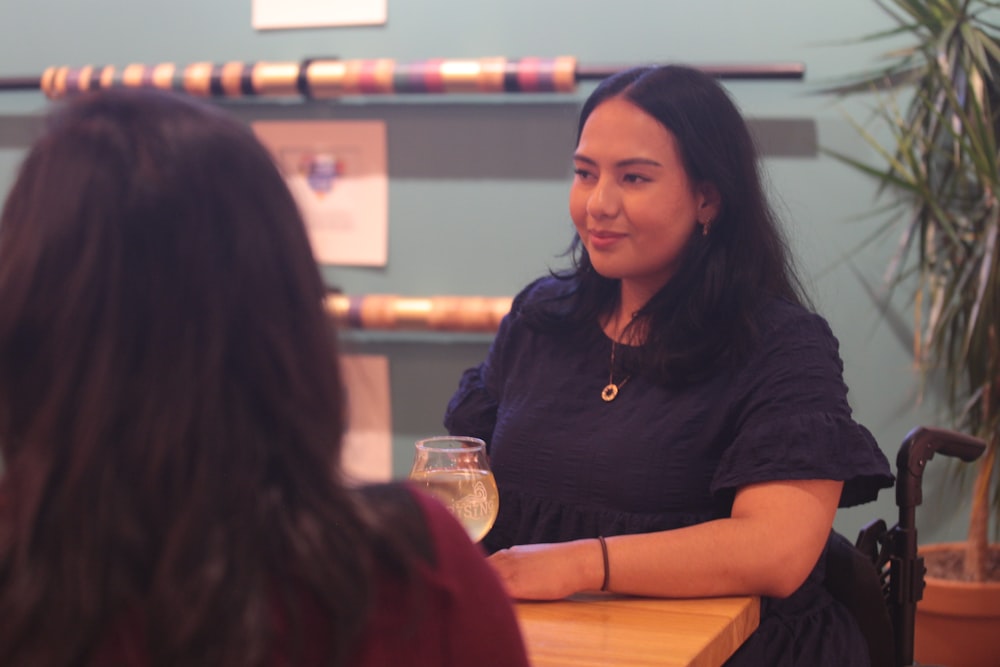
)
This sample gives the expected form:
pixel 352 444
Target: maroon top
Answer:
pixel 465 618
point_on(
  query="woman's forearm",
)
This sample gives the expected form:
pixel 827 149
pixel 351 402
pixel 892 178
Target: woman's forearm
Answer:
pixel 767 547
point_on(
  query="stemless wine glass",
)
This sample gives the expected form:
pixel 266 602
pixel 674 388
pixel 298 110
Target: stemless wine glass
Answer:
pixel 456 471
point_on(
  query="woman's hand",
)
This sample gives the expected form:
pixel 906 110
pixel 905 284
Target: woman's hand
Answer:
pixel 549 571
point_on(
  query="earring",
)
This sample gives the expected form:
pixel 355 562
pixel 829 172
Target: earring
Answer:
pixel 705 227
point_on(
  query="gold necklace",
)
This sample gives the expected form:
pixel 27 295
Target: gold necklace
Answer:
pixel 610 391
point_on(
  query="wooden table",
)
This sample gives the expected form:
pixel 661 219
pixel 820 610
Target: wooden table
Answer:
pixel 603 630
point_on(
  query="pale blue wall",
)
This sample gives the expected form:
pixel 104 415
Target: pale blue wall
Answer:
pixel 478 186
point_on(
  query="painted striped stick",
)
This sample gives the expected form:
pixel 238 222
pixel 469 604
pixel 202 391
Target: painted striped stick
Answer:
pixel 322 79
pixel 436 313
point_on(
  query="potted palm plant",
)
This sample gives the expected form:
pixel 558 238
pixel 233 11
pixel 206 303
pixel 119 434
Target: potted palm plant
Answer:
pixel 937 99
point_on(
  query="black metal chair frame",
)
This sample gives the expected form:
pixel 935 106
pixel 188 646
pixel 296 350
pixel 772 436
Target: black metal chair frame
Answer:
pixel 893 550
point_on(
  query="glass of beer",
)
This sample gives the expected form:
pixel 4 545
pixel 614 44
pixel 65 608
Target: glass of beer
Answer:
pixel 456 471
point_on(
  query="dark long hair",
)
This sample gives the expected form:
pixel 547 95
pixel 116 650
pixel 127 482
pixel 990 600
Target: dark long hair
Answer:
pixel 703 318
pixel 171 410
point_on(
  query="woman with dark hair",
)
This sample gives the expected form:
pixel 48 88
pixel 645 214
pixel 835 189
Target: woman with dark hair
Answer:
pixel 669 416
pixel 171 415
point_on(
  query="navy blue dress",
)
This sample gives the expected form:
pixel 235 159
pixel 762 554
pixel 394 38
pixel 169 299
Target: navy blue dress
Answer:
pixel 571 466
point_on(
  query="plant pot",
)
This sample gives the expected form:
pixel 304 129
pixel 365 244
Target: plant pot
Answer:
pixel 958 622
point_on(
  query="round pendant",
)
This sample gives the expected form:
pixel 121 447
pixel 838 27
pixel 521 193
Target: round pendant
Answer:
pixel 609 392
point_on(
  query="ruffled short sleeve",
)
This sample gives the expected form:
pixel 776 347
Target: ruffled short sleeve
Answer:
pixel 472 409
pixel 793 417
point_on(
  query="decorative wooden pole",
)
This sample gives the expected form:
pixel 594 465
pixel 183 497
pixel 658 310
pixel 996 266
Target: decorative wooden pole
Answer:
pixel 436 313
pixel 325 78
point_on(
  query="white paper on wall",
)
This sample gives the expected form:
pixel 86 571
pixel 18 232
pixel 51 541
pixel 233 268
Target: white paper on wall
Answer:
pixel 272 14
pixel 337 172
pixel 367 452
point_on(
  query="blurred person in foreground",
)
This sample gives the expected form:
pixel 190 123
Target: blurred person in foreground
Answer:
pixel 171 415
